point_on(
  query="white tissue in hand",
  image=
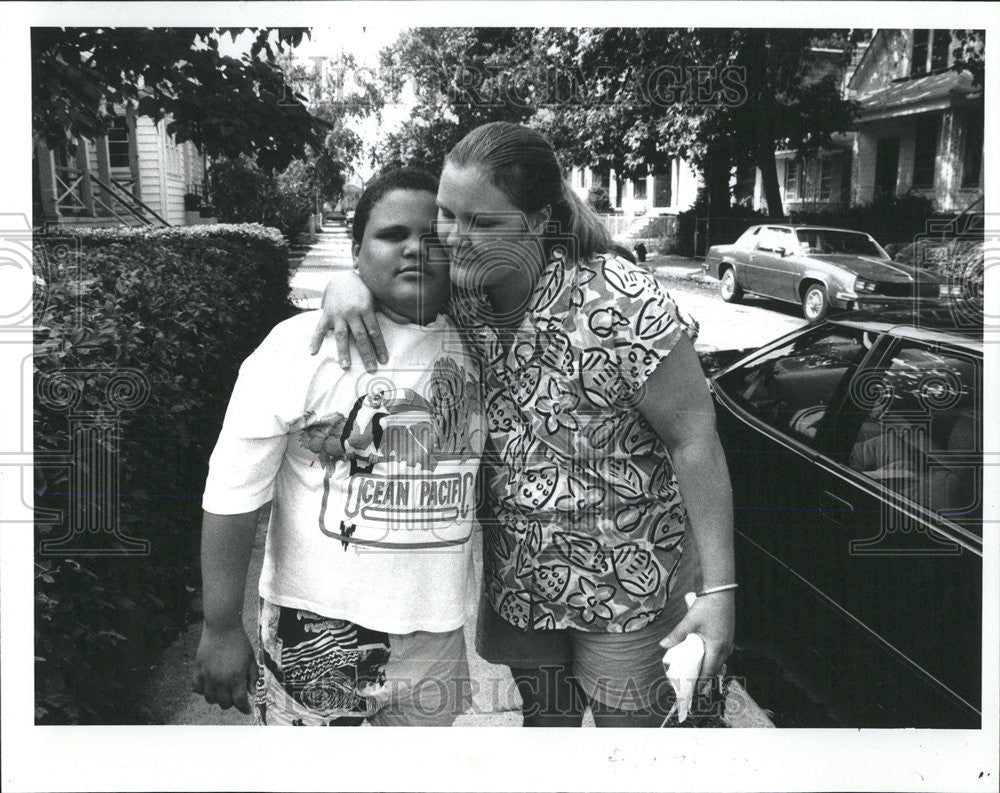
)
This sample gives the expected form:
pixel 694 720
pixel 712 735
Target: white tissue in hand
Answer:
pixel 683 663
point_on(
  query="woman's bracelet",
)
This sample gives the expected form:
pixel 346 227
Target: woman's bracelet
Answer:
pixel 721 588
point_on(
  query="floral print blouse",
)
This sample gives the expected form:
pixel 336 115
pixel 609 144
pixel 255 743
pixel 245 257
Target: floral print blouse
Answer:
pixel 583 521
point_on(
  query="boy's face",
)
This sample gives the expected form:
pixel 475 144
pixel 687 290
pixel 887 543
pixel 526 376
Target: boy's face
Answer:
pixel 389 257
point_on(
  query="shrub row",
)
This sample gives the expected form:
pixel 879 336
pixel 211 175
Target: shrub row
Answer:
pixel 896 222
pixel 139 334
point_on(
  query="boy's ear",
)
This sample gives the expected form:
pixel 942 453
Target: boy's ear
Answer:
pixel 538 220
pixel 355 252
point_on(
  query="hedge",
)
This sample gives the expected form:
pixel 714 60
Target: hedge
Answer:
pixel 164 316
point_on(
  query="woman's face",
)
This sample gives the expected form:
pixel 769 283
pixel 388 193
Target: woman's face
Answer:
pixel 490 240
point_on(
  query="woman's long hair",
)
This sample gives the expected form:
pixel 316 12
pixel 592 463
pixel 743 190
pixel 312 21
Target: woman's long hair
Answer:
pixel 521 162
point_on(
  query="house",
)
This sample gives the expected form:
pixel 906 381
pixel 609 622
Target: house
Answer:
pixel 137 174
pixel 920 124
pixel 821 182
pixel 919 130
pixel 641 206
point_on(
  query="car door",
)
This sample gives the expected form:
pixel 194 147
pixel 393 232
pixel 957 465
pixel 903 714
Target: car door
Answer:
pixel 772 416
pixel 902 520
pixel 771 273
pixel 772 407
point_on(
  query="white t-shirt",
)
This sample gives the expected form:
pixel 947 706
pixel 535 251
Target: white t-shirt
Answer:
pixel 372 475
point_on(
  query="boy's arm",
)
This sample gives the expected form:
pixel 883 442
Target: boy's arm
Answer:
pixel 225 669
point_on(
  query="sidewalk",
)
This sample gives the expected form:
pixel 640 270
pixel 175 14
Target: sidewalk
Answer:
pixel 679 267
pixel 496 702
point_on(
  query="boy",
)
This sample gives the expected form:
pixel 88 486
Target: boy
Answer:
pixel 367 568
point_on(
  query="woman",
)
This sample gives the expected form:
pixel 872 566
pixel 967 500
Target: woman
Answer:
pixel 605 464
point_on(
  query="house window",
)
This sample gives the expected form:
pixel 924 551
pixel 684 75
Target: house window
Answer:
pixel 931 51
pixel 793 179
pixel 583 177
pixel 972 155
pixel 619 191
pixel 825 180
pixel 918 59
pixel 639 190
pixel 925 152
pixel 118 142
pixel 940 45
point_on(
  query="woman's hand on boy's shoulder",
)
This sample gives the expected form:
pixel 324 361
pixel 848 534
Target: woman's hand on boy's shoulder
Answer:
pixel 225 669
pixel 349 311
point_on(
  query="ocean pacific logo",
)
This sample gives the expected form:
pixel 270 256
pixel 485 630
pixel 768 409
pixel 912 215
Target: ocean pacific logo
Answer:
pixel 411 502
pixel 394 441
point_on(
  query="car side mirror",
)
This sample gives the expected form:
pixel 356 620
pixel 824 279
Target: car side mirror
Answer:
pixel 781 250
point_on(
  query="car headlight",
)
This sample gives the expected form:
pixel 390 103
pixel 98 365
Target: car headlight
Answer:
pixel 950 290
pixel 861 285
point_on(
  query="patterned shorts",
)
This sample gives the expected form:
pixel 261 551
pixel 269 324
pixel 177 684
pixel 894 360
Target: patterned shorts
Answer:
pixel 318 671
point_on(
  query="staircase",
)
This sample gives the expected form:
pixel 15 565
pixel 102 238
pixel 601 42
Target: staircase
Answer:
pixel 83 200
pixel 641 228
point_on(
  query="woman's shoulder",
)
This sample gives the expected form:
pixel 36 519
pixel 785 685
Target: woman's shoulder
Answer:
pixel 616 277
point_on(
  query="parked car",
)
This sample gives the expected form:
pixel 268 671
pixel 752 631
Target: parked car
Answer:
pixel 349 218
pixel 855 449
pixel 819 268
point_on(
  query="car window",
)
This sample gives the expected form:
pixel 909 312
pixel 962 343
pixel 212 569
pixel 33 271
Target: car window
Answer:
pixel 773 238
pixel 766 240
pixel 921 432
pixel 747 238
pixel 792 386
pixel 833 241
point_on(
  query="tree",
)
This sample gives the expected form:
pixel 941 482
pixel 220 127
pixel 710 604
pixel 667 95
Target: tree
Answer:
pixel 460 78
pixel 226 105
pixel 326 93
pixel 969 53
pixel 711 96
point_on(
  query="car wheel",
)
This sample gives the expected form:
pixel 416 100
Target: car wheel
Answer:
pixel 815 303
pixel 729 287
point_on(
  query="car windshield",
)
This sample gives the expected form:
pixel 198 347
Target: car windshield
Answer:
pixel 832 241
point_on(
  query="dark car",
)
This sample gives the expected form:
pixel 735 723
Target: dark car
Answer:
pixel 855 449
pixel 819 269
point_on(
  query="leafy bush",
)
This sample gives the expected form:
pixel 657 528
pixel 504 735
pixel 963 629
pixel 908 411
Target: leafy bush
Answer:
pixel 177 310
pixel 599 199
pixel 898 221
pixel 244 193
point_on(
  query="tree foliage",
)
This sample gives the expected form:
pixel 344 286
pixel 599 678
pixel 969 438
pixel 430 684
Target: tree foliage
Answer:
pixel 969 54
pixel 713 96
pixel 226 105
pixel 460 78
pixel 631 99
pixel 325 89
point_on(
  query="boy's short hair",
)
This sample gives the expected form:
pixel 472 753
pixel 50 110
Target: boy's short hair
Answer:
pixel 386 182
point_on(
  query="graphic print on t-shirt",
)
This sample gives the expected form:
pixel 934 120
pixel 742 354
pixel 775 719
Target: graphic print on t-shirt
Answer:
pixel 411 462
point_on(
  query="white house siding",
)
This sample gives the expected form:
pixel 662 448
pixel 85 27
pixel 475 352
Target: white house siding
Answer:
pixel 150 165
pixel 174 182
pixel 684 183
pixel 808 197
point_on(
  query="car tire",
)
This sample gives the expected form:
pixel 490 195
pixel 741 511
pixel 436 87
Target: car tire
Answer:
pixel 815 303
pixel 729 287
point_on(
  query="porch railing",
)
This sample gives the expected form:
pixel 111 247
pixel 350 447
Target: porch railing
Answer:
pixel 75 198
